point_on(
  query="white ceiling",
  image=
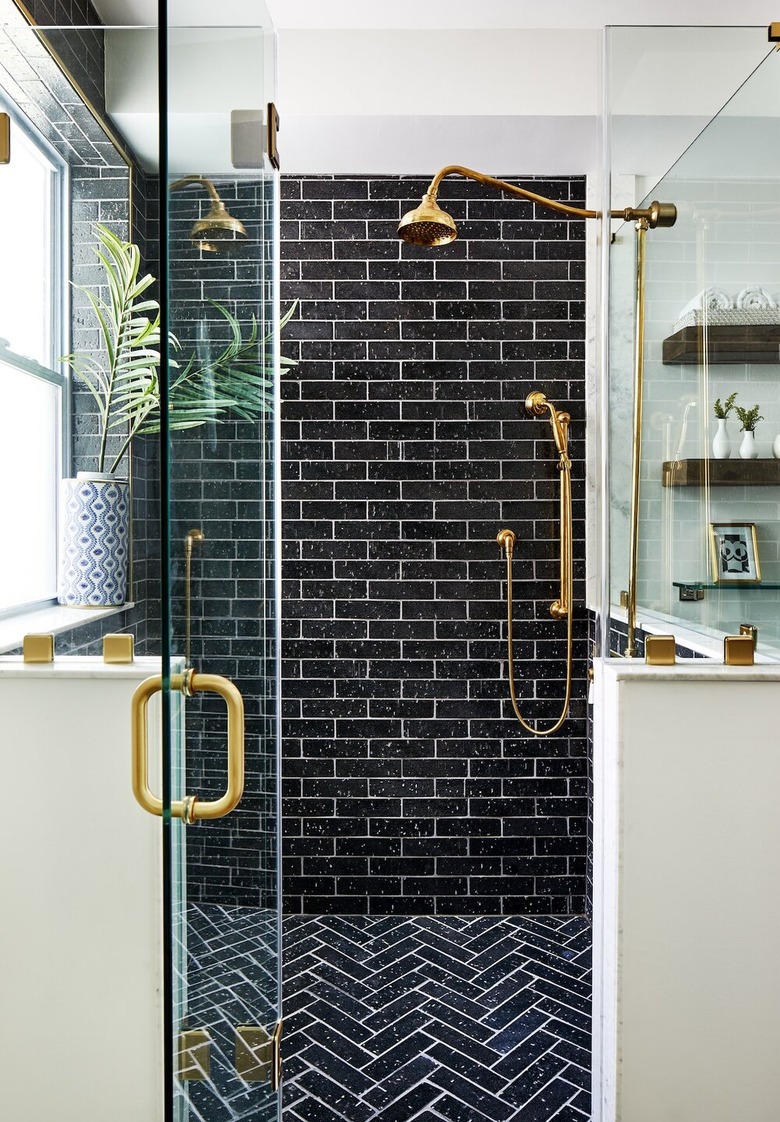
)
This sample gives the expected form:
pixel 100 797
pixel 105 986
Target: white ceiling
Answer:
pixel 455 14
pixel 510 86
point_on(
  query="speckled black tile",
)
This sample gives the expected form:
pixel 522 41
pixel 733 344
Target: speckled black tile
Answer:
pixel 431 1042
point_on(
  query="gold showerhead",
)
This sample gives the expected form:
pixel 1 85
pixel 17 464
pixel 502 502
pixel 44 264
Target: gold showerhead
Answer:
pixel 219 231
pixel 428 225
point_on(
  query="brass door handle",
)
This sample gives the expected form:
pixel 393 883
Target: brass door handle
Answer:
pixel 190 808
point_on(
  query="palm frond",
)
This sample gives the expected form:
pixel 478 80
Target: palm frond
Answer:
pixel 124 381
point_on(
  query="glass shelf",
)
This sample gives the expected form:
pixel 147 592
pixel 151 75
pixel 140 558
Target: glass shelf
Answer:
pixel 724 584
pixel 692 590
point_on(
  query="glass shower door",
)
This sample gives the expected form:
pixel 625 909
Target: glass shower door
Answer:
pixel 218 244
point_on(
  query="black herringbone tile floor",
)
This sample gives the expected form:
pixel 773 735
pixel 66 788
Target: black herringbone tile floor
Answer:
pixel 437 1019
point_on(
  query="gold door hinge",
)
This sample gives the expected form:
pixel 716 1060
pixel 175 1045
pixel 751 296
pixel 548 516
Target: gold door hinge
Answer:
pixel 254 1051
pixel 258 1054
pixel 5 138
pixel 272 130
pixel 194 1055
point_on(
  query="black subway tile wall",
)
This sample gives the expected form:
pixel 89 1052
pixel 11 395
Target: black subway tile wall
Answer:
pixel 409 785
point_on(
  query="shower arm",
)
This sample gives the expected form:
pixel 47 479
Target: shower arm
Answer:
pixel 201 181
pixel 657 214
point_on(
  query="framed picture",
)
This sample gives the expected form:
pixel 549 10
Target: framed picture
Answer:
pixel 734 552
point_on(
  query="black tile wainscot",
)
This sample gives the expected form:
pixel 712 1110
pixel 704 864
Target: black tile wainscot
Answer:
pixel 409 786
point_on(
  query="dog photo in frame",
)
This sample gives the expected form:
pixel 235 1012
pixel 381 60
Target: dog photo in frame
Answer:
pixel 734 553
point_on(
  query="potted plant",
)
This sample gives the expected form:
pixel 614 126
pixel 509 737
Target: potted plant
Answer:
pixel 721 444
pixel 123 380
pixel 748 418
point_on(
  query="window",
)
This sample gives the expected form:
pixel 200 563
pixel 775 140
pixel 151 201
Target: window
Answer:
pixel 33 406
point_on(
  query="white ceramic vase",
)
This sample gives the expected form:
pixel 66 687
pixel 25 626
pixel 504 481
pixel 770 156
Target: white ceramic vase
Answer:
pixel 776 447
pixel 94 520
pixel 721 443
pixel 748 449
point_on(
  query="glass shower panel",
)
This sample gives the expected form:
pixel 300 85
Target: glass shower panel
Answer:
pixel 205 503
pixel 221 238
pixel 712 328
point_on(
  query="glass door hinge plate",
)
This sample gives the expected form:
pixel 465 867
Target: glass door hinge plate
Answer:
pixel 660 650
pixel 194 1055
pixel 738 650
pixel 38 648
pixel 254 1053
pixel 259 1054
pixel 118 648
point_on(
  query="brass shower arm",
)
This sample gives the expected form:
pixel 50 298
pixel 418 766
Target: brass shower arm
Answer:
pixel 657 214
pixel 201 181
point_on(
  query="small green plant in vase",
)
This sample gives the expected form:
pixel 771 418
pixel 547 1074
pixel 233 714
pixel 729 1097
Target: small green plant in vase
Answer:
pixel 748 419
pixel 123 378
pixel 721 444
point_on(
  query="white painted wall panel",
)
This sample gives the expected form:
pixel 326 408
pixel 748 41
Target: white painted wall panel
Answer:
pixel 689 895
pixel 80 871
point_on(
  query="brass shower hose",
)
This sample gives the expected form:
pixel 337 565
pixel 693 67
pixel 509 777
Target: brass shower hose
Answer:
pixel 537 403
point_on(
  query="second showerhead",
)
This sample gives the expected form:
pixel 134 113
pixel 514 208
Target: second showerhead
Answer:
pixel 219 231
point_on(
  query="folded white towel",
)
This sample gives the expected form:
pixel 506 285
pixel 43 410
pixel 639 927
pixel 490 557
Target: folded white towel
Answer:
pixel 754 298
pixel 708 300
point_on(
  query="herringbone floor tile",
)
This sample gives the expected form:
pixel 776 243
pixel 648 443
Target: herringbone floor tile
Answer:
pixel 437 1019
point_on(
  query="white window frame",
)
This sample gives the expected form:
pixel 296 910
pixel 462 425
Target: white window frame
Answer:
pixel 57 373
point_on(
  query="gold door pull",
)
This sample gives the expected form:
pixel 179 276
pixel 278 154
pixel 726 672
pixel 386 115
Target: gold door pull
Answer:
pixel 190 808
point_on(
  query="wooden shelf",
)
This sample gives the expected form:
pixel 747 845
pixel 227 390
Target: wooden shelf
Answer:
pixel 721 473
pixel 759 342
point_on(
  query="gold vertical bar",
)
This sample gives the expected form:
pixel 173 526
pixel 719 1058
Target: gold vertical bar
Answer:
pixel 38 648
pixel 5 138
pixel 636 454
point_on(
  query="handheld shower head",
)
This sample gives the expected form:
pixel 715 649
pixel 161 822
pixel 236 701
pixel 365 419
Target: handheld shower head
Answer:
pixel 428 225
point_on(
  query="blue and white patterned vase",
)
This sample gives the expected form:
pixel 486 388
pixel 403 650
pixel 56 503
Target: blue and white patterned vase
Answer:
pixel 94 523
